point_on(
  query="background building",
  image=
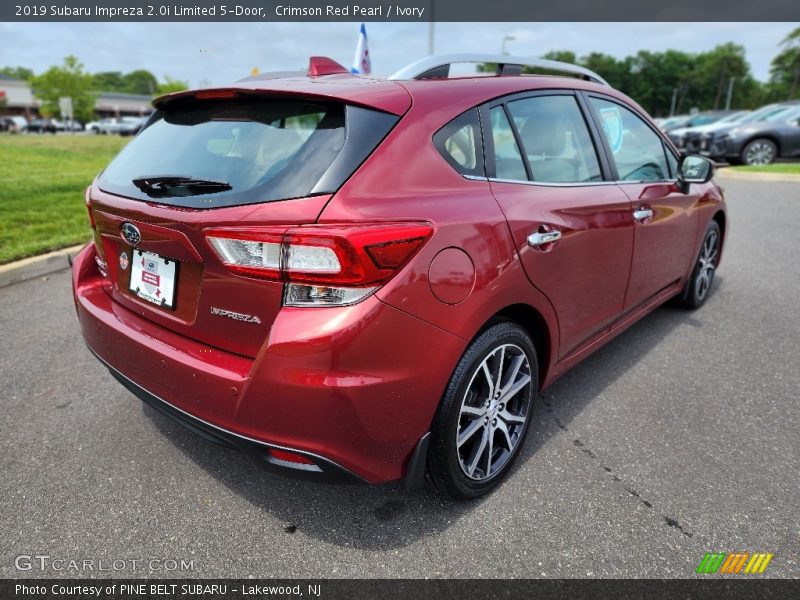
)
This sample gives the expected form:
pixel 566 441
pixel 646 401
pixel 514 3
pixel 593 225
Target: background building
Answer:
pixel 16 97
pixel 121 105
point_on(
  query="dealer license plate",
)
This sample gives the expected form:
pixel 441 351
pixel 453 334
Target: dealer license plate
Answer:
pixel 153 278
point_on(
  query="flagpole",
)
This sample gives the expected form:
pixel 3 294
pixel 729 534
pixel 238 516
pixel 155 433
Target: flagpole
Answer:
pixel 431 28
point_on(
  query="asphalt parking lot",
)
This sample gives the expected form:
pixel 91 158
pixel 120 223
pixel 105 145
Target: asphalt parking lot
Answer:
pixel 680 437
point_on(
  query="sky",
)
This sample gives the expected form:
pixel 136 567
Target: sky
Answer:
pixel 219 53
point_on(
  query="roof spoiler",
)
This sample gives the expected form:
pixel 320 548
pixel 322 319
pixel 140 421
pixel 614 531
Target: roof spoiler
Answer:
pixel 322 65
pixel 439 66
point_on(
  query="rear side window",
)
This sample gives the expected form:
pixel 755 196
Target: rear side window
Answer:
pixel 638 151
pixel 508 162
pixel 459 143
pixel 555 139
pixel 245 152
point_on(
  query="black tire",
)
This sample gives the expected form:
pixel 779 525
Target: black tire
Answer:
pixel 499 424
pixel 760 151
pixel 697 289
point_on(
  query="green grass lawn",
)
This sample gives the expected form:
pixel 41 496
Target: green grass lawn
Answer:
pixel 42 180
pixel 791 168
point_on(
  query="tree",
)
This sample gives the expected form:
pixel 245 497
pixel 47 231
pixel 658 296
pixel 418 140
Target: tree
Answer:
pixel 18 72
pixel 140 82
pixel 108 81
pixel 171 85
pixel 785 69
pixel 616 72
pixel 69 80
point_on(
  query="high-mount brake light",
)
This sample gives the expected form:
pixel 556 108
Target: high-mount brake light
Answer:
pixel 322 265
pixel 215 94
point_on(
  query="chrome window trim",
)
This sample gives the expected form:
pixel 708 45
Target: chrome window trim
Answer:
pixel 558 184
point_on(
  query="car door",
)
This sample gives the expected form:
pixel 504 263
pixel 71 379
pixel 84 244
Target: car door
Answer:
pixel 665 219
pixel 789 136
pixel 572 227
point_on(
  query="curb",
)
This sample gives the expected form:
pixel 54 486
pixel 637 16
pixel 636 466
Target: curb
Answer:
pixel 37 266
pixel 747 176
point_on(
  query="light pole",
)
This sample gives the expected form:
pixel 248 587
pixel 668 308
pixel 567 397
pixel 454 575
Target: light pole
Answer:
pixel 730 93
pixel 674 99
pixel 507 38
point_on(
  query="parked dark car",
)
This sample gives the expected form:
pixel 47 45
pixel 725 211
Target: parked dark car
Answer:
pixel 695 120
pixel 772 134
pixel 42 126
pixel 371 280
pixel 688 139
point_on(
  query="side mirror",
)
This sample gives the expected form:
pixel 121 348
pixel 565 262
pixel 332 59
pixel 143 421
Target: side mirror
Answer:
pixel 694 169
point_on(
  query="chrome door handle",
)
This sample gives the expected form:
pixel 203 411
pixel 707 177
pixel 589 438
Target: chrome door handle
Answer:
pixel 642 214
pixel 543 237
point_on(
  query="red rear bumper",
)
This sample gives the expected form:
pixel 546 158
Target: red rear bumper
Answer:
pixel 354 388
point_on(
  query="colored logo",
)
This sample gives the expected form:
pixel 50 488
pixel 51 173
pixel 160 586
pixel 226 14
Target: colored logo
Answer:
pixel 123 261
pixel 734 563
pixel 130 233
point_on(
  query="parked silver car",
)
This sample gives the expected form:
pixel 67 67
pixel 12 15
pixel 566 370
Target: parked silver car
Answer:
pixel 769 133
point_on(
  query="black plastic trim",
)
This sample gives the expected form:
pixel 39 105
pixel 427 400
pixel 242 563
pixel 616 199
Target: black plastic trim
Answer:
pixel 415 472
pixel 364 130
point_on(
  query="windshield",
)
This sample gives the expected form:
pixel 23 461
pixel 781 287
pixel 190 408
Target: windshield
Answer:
pixel 762 113
pixel 260 150
pixel 787 112
pixel 734 118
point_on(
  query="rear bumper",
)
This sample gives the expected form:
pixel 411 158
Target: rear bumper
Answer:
pixel 353 388
pixel 322 469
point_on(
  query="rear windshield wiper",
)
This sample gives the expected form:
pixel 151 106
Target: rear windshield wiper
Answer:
pixel 160 186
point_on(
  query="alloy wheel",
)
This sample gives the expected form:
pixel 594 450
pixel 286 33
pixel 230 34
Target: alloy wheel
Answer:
pixel 708 263
pixel 759 153
pixel 494 411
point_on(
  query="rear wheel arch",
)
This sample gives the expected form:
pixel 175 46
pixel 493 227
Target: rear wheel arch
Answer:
pixel 532 321
pixel 719 217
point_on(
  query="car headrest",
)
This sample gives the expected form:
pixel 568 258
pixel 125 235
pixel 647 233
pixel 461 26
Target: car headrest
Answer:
pixel 544 134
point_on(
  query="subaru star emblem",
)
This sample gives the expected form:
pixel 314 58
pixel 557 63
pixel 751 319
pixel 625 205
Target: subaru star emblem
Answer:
pixel 130 233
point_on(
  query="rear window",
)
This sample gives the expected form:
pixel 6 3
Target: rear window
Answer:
pixel 225 153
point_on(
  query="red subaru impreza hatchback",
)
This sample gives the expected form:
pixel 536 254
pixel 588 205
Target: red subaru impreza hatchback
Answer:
pixel 367 280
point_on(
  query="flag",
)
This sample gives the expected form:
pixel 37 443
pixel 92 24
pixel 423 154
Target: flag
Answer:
pixel 361 63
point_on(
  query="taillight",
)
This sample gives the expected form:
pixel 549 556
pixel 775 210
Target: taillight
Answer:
pixel 331 265
pixel 99 258
pixel 87 200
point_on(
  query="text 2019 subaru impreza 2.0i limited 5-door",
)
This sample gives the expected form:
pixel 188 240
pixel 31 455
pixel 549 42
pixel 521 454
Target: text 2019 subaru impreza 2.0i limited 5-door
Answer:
pixel 370 280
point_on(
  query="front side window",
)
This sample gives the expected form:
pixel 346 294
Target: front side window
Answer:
pixel 555 139
pixel 637 150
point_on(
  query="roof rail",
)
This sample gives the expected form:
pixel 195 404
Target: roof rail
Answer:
pixel 439 66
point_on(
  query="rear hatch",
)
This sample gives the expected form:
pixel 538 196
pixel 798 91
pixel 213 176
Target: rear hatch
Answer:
pixel 220 159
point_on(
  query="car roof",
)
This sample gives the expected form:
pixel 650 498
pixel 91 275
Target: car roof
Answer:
pixel 328 80
pixel 396 97
pixel 465 92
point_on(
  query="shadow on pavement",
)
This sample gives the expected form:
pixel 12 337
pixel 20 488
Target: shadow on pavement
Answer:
pixel 385 517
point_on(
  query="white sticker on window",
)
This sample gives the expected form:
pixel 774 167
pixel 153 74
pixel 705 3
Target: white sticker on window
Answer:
pixel 612 125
